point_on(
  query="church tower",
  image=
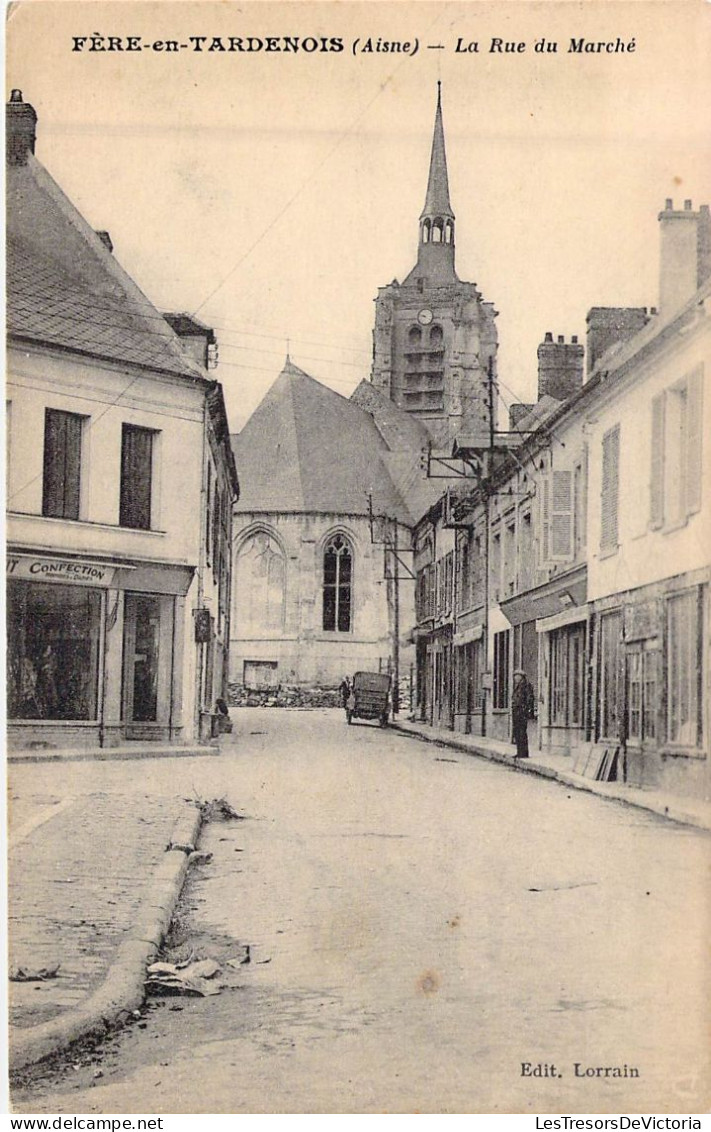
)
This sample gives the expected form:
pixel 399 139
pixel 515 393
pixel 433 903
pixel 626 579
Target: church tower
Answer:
pixel 434 336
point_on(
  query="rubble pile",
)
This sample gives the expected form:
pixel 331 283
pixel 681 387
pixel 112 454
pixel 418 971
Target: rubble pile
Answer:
pixel 286 696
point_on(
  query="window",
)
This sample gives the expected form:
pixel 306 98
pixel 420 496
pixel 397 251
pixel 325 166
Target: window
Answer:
pixel 675 479
pixel 610 679
pixel 641 693
pixel 260 585
pixel 501 669
pixel 683 668
pixel 53 651
pixel 337 586
pixel 414 336
pixel 495 579
pixel 464 580
pixel 136 477
pixel 436 336
pixel 526 563
pixel 62 464
pixel 509 557
pixel 557 516
pixel 567 676
pixel 580 508
pixel 610 490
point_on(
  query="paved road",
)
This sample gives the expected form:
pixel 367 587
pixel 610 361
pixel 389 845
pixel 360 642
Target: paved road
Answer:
pixel 421 923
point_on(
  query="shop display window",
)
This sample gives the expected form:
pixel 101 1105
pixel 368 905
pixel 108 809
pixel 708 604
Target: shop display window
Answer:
pixel 53 637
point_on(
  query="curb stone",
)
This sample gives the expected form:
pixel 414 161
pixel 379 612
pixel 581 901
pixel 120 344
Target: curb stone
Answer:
pixel 670 811
pixel 122 990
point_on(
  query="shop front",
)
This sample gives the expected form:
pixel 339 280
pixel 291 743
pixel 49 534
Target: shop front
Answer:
pixel 91 650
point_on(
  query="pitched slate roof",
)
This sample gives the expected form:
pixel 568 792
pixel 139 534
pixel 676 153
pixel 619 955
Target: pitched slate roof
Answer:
pixel 306 448
pixel 398 429
pixel 66 289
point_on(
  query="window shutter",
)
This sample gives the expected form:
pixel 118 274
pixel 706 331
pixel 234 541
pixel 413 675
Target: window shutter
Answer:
pixel 561 516
pixel 136 477
pixel 693 437
pixel 545 520
pixel 656 486
pixel 53 483
pixel 610 489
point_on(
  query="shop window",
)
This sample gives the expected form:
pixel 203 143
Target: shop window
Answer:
pixel 337 586
pixel 62 464
pixel 683 668
pixel 260 585
pixel 53 651
pixel 641 694
pixel 610 681
pixel 567 675
pixel 136 477
pixel 610 490
pixel 501 669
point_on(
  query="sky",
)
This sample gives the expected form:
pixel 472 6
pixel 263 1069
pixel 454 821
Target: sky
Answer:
pixel 271 193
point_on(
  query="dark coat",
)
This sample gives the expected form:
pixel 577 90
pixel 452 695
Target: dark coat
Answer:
pixel 523 702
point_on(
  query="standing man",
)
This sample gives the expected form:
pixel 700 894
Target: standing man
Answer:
pixel 522 708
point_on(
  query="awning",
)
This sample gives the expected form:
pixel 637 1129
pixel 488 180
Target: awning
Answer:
pixel 555 596
pixel 466 636
pixel 567 617
pixel 159 579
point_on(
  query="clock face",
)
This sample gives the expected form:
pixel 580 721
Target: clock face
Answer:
pixel 425 317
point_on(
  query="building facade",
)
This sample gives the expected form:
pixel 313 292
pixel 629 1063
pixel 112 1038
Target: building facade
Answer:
pixel 583 554
pixel 120 485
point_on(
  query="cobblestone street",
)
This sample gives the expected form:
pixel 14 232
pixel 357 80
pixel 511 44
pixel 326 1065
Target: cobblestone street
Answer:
pixel 421 924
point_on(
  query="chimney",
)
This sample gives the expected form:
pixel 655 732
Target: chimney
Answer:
pixel 685 254
pixel 560 367
pixel 607 326
pixel 105 238
pixel 20 129
pixel 199 340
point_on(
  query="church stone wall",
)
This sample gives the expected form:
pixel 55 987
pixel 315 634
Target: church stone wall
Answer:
pixel 298 649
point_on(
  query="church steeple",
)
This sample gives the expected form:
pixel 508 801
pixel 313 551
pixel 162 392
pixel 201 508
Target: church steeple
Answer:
pixel 435 255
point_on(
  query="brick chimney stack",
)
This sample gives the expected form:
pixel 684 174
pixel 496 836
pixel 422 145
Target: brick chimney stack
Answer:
pixel 20 129
pixel 608 326
pixel 560 367
pixel 685 254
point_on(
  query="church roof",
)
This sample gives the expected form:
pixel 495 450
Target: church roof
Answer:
pixel 437 201
pixel 306 448
pixel 65 289
pixel 399 429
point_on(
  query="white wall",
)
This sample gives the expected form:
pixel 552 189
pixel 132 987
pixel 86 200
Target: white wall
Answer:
pixel 645 555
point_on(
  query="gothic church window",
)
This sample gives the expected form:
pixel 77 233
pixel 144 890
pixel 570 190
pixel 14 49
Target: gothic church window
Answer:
pixel 260 584
pixel 337 586
pixel 414 335
pixel 436 336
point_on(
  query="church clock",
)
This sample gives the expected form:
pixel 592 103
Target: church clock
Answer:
pixel 425 317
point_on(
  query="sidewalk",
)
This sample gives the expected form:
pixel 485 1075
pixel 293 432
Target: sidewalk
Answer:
pixel 546 764
pixel 90 883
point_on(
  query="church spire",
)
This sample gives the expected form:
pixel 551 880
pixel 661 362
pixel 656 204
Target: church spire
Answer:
pixel 435 253
pixel 437 202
